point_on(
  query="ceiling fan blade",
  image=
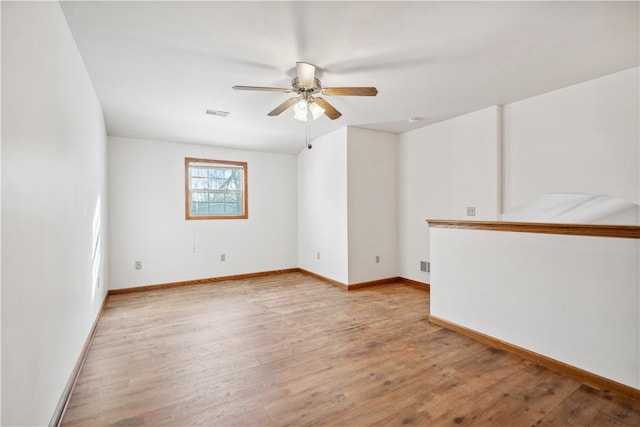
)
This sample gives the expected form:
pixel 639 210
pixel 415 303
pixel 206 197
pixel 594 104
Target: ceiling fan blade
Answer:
pixel 306 74
pixel 286 104
pixel 266 89
pixel 350 91
pixel 329 110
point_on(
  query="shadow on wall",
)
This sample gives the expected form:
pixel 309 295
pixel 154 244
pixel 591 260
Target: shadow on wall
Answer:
pixel 580 208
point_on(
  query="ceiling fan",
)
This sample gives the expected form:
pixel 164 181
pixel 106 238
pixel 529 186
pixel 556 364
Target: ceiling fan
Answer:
pixel 306 105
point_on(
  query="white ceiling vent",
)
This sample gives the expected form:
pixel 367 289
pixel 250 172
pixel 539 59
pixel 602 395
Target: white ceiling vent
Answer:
pixel 217 113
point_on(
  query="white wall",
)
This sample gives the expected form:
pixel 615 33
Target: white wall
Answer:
pixel 54 215
pixel 372 192
pixel 582 138
pixel 322 207
pixel 347 211
pixel 444 168
pixel 571 298
pixel 574 299
pixel 147 212
pixel 0 221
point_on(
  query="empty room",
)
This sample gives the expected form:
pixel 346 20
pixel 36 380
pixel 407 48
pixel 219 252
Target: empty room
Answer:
pixel 339 213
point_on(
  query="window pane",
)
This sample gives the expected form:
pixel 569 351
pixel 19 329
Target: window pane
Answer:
pixel 195 183
pixel 198 208
pixel 217 208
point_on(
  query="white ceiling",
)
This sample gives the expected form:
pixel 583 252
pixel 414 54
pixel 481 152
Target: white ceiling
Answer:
pixel 156 66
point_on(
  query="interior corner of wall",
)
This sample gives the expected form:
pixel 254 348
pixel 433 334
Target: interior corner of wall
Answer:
pixel 500 135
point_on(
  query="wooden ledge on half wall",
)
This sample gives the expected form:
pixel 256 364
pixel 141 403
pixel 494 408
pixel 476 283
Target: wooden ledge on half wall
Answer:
pixel 597 230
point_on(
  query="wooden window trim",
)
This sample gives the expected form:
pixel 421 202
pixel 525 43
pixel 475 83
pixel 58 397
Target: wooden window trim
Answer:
pixel 187 192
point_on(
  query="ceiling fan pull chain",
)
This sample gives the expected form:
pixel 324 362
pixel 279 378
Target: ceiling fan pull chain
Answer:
pixel 308 126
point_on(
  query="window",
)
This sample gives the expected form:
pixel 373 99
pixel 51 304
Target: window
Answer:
pixel 215 189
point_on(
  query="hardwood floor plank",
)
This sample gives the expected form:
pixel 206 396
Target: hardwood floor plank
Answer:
pixel 590 407
pixel 290 349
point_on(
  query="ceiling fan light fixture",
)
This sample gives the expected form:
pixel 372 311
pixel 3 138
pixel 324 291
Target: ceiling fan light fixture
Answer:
pixel 316 110
pixel 300 110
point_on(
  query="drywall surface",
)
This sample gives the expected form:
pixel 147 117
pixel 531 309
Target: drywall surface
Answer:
pixel 581 208
pixel 54 217
pixel 0 222
pixel 147 212
pixel 372 195
pixel 443 169
pixel 582 138
pixel 322 207
pixel 571 298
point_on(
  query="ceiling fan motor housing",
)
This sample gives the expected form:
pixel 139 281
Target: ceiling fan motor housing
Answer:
pixel 317 86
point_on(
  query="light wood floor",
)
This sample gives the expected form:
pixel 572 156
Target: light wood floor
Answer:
pixel 291 350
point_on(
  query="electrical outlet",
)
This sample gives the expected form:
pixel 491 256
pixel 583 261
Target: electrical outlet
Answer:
pixel 223 257
pixel 428 267
pixel 423 266
pixel 377 259
pixel 138 265
pixel 471 211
